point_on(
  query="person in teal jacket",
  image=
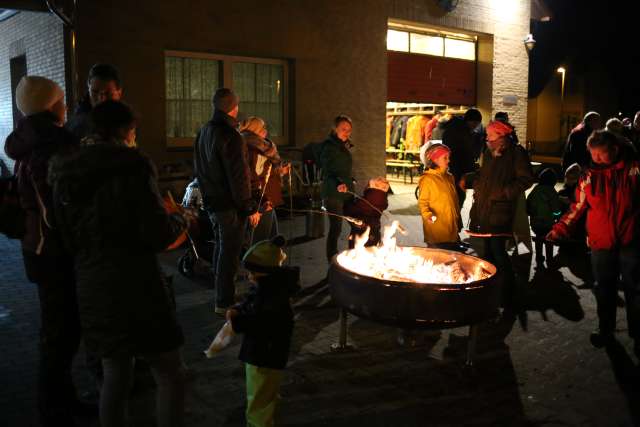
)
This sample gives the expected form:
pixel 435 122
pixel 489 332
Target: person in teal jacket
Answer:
pixel 337 182
pixel 544 209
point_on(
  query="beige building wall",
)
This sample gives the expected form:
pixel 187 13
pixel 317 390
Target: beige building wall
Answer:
pixel 337 52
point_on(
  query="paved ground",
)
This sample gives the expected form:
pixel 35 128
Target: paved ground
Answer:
pixel 546 375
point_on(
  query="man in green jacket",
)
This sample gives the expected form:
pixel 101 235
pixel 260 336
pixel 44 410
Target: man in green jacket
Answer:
pixel 336 163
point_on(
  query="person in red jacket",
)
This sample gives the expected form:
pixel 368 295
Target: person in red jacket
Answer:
pixel 609 195
pixel 369 208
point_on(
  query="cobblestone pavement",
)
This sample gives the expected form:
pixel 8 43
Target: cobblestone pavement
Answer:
pixel 540 371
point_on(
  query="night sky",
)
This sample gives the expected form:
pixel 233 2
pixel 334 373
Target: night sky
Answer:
pixel 584 31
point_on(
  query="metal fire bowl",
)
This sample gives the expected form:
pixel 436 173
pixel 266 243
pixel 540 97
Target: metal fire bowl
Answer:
pixel 417 305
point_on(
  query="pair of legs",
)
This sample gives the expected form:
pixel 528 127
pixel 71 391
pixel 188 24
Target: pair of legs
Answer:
pixel 495 252
pixel 59 336
pixel 229 229
pixel 262 394
pixel 167 370
pixel 334 206
pixel 608 267
pixel 539 243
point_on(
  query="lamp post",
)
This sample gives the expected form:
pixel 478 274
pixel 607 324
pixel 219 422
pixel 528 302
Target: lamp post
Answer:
pixel 562 71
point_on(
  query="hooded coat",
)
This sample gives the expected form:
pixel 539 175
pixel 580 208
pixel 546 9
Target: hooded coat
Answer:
pixel 438 197
pixel 32 144
pixel 459 138
pixel 266 319
pixel 497 185
pixel 261 154
pixel 112 218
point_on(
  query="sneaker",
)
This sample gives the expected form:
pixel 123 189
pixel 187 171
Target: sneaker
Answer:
pixel 599 339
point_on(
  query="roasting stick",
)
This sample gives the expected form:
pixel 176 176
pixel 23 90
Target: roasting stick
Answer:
pixel 401 229
pixel 290 216
pixel 177 207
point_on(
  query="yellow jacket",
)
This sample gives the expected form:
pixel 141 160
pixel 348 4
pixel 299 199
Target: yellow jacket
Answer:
pixel 438 198
pixel 415 132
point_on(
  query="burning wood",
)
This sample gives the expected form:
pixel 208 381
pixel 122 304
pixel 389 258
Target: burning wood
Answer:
pixel 406 264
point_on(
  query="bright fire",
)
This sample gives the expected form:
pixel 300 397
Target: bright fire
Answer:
pixel 404 264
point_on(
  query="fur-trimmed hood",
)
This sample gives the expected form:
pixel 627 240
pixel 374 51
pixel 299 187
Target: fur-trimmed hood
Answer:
pixel 81 172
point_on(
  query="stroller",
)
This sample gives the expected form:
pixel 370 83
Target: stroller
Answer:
pixel 197 259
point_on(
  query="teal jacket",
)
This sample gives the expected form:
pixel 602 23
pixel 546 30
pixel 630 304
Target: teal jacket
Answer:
pixel 335 160
pixel 543 206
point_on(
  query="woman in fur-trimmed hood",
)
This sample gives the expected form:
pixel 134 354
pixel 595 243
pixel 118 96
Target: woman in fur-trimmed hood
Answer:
pixel 112 218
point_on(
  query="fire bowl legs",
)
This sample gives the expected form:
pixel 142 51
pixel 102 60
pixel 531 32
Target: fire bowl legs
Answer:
pixel 342 344
pixel 471 345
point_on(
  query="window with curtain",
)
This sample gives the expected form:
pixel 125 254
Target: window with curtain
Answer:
pixel 192 78
pixel 190 84
pixel 260 88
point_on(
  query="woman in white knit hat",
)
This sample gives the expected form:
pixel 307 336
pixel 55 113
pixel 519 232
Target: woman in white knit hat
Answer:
pixel 39 136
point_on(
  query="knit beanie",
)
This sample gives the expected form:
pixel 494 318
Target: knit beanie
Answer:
pixel 35 94
pixel 547 177
pixel 379 183
pixel 437 151
pixel 499 128
pixel 265 256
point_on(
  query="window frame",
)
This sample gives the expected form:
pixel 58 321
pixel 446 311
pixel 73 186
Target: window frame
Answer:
pixel 226 80
pixel 435 33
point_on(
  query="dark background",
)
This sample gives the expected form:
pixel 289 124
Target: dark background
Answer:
pixel 583 34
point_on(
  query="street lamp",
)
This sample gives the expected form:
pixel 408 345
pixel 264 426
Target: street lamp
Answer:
pixel 562 71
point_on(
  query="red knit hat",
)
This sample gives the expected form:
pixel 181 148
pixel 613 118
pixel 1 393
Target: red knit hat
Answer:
pixel 499 128
pixel 438 151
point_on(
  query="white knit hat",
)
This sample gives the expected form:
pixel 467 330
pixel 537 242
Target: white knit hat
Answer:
pixel 35 94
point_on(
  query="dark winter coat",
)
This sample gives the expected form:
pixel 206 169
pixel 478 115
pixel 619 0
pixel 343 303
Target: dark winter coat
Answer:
pixel 266 319
pixel 113 220
pixel 575 150
pixel 265 151
pixel 221 166
pixel 336 164
pixel 543 207
pixel 496 188
pixel 32 144
pixel 609 196
pixel 369 211
pixel 459 138
pixel 79 122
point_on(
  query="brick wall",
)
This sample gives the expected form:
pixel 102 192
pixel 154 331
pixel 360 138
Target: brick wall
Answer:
pixel 337 50
pixel 40 37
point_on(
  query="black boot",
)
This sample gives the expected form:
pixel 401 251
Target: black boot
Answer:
pixel 601 339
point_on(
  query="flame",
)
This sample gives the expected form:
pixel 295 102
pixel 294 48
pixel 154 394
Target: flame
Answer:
pixel 388 261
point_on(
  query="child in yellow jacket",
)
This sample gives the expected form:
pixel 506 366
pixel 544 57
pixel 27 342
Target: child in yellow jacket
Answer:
pixel 438 200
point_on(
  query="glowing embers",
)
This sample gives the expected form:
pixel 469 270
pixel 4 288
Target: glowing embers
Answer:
pixel 408 264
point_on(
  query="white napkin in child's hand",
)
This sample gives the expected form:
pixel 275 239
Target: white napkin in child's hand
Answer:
pixel 221 341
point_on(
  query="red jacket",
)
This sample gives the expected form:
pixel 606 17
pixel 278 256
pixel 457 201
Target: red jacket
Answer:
pixel 610 197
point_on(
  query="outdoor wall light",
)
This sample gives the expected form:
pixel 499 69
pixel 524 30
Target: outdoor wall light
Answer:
pixel 529 42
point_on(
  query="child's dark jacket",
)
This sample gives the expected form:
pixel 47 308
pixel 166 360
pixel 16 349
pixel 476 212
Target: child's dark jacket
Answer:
pixel 362 210
pixel 266 319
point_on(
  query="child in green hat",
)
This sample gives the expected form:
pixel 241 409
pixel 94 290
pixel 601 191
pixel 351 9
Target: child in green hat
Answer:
pixel 266 320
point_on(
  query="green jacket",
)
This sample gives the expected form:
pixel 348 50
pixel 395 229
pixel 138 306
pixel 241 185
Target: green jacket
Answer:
pixel 543 206
pixel 335 160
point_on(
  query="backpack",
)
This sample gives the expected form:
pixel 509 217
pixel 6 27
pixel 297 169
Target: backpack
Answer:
pixel 12 215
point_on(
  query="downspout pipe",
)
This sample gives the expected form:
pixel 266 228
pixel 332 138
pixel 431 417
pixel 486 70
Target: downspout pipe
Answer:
pixel 71 74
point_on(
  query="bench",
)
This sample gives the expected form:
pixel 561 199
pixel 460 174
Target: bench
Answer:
pixel 406 166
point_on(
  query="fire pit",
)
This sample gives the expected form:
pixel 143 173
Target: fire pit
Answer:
pixel 413 287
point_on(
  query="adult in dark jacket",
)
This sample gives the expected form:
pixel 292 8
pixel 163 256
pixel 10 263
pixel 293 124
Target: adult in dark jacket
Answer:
pixel 266 168
pixel 458 136
pixel 503 177
pixel 113 220
pixel 37 138
pixel 103 84
pixel 220 164
pixel 608 194
pixel 575 150
pixel 266 320
pixel 337 181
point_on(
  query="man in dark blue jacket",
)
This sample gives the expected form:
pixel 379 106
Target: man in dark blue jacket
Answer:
pixel 220 164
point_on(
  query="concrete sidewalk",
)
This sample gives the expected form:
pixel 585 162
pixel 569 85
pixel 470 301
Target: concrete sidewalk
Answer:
pixel 548 375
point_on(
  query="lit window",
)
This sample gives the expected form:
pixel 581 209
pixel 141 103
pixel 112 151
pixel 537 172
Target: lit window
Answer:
pixel 462 49
pixel 260 89
pixel 192 78
pixel 398 40
pixel 430 45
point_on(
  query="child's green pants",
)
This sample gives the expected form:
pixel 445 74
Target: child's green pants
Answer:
pixel 262 394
